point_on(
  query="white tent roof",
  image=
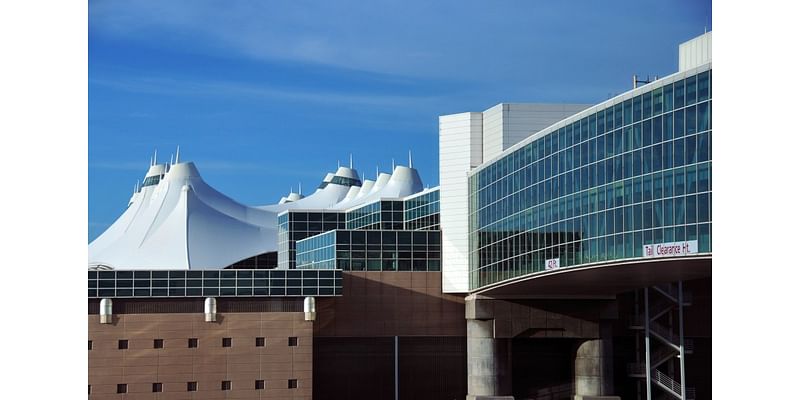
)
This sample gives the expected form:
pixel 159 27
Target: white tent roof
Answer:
pixel 177 221
pixel 182 222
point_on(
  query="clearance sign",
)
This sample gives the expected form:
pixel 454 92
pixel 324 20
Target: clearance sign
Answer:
pixel 670 249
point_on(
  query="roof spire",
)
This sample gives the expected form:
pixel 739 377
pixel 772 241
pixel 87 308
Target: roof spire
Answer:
pixel 410 164
pixel 177 154
pixel 170 159
pixel 351 160
pixel 393 166
pixel 155 156
pixel 377 172
pixel 338 164
pixel 300 188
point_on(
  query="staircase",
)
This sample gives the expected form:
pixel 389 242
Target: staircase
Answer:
pixel 659 326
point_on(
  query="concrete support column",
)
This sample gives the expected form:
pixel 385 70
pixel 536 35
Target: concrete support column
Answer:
pixel 488 362
pixel 594 366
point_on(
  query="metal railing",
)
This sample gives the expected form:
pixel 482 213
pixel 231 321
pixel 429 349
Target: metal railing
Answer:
pixel 667 383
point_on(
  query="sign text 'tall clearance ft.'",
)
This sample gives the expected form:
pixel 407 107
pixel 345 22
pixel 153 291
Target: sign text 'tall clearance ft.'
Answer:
pixel 671 249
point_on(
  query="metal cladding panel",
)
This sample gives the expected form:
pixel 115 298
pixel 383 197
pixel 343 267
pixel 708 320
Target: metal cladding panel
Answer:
pixel 695 52
pixel 460 144
pixel 506 124
pixel 493 123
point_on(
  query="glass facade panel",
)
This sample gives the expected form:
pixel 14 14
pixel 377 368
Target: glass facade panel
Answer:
pixel 643 178
pixel 231 283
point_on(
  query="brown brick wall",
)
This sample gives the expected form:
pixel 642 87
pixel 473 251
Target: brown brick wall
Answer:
pixel 209 364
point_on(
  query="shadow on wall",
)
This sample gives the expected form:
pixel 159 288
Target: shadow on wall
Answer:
pixel 354 339
pixel 391 303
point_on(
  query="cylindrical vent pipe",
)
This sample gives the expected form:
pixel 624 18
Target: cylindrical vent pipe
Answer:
pixel 211 309
pixel 310 308
pixel 106 311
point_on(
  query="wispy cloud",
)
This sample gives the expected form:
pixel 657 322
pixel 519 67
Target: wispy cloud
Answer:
pixel 188 87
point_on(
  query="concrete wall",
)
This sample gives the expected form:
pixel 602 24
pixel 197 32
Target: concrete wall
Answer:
pixel 209 364
pixel 507 124
pixel 460 149
pixel 695 52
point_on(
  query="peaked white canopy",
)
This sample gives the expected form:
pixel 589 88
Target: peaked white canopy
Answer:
pixel 175 220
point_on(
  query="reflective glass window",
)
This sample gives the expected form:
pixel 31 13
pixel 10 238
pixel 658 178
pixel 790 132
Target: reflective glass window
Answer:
pixel 703 86
pixel 691 149
pixel 691 90
pixel 658 102
pixel 628 112
pixel 702 117
pixel 679 94
pixel 679 155
pixel 668 101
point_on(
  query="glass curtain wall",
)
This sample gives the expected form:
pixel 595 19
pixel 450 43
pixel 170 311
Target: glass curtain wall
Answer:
pixel 635 172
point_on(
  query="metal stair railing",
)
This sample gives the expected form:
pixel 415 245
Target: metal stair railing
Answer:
pixel 667 383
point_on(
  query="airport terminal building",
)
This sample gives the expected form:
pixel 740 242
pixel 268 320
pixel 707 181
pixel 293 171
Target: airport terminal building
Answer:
pixel 565 254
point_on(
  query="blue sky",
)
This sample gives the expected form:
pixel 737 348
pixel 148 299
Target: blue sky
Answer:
pixel 264 95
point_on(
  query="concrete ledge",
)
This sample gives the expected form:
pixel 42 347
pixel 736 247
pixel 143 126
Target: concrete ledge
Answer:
pixel 473 397
pixel 584 397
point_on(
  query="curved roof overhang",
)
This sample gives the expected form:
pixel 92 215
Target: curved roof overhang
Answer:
pixel 601 279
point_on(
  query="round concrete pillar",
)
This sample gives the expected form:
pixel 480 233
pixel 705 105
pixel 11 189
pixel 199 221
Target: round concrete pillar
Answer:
pixel 488 361
pixel 594 365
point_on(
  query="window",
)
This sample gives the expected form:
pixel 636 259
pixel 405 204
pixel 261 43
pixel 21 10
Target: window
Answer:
pixel 158 387
pixel 191 386
pixel 90 345
pixel 158 343
pixel 122 388
pixel 192 342
pixel 90 389
pixel 123 344
pixel 292 383
pixel 226 385
pixel 226 342
pixel 260 384
pixel 292 341
pixel 260 342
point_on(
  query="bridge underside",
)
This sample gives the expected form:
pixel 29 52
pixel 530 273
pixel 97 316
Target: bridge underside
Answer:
pixel 602 279
pixel 595 312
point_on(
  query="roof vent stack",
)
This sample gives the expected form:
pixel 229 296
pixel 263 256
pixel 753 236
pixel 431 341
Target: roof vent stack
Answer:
pixel 106 311
pixel 310 309
pixel 211 309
